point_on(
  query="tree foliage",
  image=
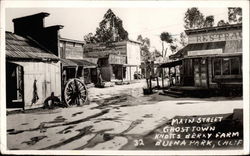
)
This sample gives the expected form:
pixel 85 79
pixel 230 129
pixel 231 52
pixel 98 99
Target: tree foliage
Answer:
pixel 110 29
pixel 89 38
pixel 167 38
pixel 193 18
pixel 183 39
pixel 145 45
pixel 222 23
pixel 209 21
pixel 234 15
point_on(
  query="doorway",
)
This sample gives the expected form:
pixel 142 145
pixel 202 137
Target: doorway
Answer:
pixel 200 72
pixel 14 86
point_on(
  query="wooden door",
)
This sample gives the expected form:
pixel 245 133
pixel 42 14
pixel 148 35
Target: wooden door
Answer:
pixel 200 72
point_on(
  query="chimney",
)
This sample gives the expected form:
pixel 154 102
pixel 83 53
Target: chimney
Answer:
pixel 33 26
pixel 28 25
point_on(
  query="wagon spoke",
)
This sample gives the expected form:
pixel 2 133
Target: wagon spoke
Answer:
pixel 75 92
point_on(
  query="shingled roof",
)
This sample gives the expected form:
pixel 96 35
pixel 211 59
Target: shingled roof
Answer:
pixel 20 48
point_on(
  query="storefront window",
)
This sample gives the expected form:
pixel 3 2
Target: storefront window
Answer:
pixel 235 66
pixel 217 66
pixel 225 66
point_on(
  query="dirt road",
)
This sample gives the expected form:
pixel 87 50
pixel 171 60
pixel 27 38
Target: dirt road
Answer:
pixel 115 118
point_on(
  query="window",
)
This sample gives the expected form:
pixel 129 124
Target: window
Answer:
pixel 235 68
pixel 227 66
pixel 217 67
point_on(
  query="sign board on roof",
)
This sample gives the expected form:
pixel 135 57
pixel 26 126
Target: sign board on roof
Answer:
pixel 215 36
pixel 116 59
pixel 205 52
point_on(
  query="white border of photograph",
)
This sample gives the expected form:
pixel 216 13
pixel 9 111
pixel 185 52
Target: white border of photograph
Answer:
pixel 129 4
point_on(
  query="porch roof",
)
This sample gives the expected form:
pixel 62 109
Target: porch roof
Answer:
pixel 78 62
pixel 171 64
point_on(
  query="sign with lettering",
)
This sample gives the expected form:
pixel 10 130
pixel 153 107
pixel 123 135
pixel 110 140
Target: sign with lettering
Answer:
pixel 195 132
pixel 215 37
pixel 116 59
pixel 205 52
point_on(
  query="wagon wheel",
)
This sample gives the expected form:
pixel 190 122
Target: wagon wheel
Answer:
pixel 75 92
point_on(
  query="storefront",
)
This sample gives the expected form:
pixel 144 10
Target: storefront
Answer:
pixel 117 61
pixel 212 59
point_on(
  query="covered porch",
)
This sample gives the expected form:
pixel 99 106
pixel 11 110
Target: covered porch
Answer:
pixel 171 71
pixel 79 68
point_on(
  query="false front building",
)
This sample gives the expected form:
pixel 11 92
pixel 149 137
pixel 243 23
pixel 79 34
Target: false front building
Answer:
pixel 116 60
pixel 74 64
pixel 212 60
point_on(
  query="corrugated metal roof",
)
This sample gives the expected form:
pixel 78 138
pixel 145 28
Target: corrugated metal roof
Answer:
pixel 18 47
pixel 76 62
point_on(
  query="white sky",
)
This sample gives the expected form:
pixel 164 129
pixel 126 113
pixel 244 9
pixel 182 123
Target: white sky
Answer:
pixel 149 22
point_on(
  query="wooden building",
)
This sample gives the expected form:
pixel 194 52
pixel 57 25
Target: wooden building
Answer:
pixel 33 68
pixel 74 63
pixel 117 60
pixel 212 60
pixel 32 72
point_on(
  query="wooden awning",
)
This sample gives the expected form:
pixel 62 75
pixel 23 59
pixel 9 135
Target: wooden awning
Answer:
pixel 76 62
pixel 171 64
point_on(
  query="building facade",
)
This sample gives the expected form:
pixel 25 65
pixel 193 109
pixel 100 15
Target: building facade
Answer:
pixel 212 59
pixel 74 64
pixel 32 73
pixel 116 60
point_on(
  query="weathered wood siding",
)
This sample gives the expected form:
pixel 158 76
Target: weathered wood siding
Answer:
pixel 48 80
pixel 133 54
pixel 133 60
pixel 73 50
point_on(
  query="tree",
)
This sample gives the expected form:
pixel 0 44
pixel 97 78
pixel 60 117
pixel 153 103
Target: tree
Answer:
pixel 110 29
pixel 234 15
pixel 193 18
pixel 165 37
pixel 183 39
pixel 156 56
pixel 89 38
pixel 209 21
pixel 222 23
pixel 173 48
pixel 145 44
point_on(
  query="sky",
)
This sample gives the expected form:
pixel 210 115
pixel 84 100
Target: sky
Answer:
pixel 149 22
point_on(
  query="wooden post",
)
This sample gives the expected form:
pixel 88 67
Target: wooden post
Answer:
pixel 175 74
pixel 169 77
pixel 83 74
pixel 130 72
pixel 157 80
pixel 162 77
pixel 150 84
pixel 122 73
